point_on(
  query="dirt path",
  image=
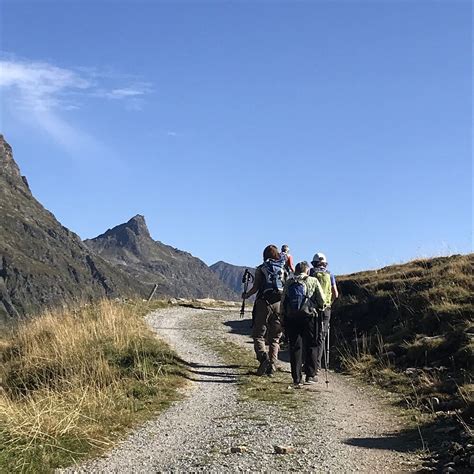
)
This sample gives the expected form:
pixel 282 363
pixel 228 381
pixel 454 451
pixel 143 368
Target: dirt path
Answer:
pixel 343 428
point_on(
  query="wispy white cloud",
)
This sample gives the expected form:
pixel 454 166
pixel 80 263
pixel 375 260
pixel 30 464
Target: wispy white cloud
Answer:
pixel 124 93
pixel 40 86
pixel 43 93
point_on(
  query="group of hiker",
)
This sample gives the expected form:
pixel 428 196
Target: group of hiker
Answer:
pixel 295 300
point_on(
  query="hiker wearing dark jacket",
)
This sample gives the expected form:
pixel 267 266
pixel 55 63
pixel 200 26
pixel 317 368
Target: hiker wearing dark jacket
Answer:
pixel 302 296
pixel 268 286
pixel 328 283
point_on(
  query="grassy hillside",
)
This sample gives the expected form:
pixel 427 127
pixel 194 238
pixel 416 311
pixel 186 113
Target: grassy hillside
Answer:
pixel 73 382
pixel 410 328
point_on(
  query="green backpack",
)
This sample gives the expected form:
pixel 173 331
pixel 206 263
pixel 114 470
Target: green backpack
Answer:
pixel 324 279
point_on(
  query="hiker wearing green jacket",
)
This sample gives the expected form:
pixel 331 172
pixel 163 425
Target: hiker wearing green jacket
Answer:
pixel 268 284
pixel 330 293
pixel 301 298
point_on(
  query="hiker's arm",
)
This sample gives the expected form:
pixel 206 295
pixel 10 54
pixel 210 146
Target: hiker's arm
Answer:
pixel 334 291
pixel 256 285
pixel 290 263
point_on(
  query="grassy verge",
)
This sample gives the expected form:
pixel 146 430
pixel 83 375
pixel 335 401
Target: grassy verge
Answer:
pixel 409 329
pixel 72 382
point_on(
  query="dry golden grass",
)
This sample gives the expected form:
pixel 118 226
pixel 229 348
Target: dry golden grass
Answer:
pixel 72 381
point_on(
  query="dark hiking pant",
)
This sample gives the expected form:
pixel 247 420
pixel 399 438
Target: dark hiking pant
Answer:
pixel 322 330
pixel 266 329
pixel 301 331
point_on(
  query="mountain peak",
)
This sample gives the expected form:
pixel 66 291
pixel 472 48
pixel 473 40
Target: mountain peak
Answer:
pixel 132 235
pixel 177 273
pixel 138 225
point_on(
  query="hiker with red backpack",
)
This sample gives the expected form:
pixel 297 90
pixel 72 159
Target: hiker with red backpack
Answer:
pixel 285 253
pixel 302 297
pixel 330 291
pixel 268 284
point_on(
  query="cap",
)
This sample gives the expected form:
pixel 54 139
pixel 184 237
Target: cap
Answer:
pixel 319 257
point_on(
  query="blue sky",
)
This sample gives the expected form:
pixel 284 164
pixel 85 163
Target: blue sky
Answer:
pixel 334 126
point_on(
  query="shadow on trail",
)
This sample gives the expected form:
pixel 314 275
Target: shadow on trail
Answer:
pixel 196 365
pixel 202 380
pixel 240 326
pixel 425 438
pixel 213 374
pixel 198 373
pixel 403 442
pixel 202 376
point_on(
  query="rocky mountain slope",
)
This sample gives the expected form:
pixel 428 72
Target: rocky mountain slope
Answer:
pixel 130 247
pixel 43 264
pixel 230 275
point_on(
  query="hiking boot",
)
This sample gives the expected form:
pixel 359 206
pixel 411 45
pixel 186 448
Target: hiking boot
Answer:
pixel 310 380
pixel 263 367
pixel 271 370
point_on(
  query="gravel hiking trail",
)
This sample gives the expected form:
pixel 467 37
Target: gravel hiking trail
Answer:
pixel 344 427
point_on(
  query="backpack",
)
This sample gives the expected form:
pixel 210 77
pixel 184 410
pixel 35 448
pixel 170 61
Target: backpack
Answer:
pixel 297 301
pixel 274 275
pixel 324 278
pixel 296 295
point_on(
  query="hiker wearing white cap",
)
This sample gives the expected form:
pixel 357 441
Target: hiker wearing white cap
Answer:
pixel 329 286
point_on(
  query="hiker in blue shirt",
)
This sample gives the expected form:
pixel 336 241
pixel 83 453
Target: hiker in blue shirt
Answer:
pixel 328 282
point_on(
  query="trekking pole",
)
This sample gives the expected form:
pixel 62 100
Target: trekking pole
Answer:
pixel 246 278
pixel 326 358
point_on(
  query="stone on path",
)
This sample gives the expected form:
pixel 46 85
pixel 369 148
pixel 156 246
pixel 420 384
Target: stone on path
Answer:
pixel 239 449
pixel 284 449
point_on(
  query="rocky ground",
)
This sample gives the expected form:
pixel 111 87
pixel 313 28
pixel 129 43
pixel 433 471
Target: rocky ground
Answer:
pixel 342 427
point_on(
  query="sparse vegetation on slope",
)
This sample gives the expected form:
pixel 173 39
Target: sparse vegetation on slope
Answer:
pixel 73 382
pixel 410 328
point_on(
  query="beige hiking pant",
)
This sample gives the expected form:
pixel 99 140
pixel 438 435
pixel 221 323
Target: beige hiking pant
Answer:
pixel 266 329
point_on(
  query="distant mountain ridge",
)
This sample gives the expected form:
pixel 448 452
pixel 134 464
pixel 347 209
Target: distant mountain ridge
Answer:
pixel 131 248
pixel 230 275
pixel 42 263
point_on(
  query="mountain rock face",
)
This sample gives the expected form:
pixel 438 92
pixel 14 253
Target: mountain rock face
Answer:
pixel 230 275
pixel 43 264
pixel 131 248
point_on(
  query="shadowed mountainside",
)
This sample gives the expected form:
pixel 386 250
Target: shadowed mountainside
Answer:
pixel 230 275
pixel 130 247
pixel 42 263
